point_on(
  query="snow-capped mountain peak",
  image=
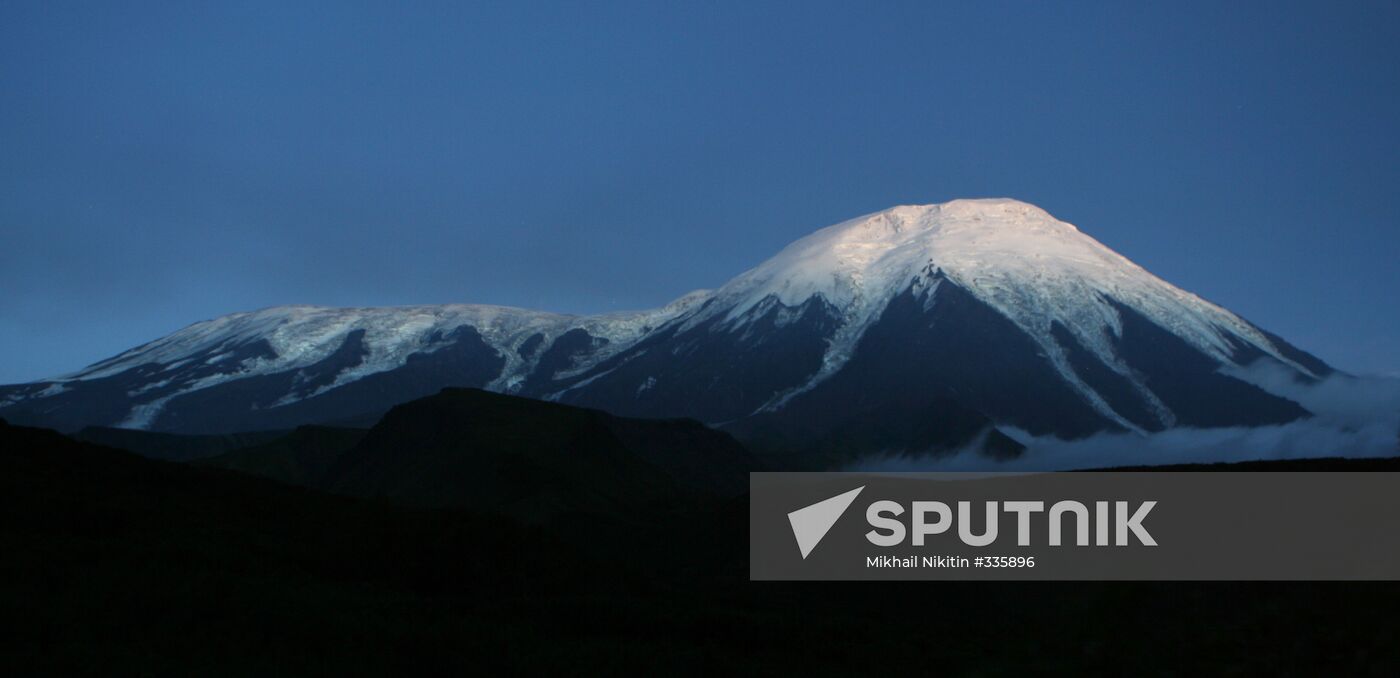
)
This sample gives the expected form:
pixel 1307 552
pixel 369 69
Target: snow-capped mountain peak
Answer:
pixel 1033 268
pixel 960 313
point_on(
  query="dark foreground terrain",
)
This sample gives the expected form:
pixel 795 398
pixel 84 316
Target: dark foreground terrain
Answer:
pixel 116 564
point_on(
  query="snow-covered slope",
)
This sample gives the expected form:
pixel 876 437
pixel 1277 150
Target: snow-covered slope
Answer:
pixel 302 336
pixel 1014 256
pixel 991 309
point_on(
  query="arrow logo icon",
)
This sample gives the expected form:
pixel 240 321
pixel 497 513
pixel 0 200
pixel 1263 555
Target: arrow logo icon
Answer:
pixel 811 523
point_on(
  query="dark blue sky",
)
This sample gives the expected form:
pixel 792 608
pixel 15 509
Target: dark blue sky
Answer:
pixel 162 163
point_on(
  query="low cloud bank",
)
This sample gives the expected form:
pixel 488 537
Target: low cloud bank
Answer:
pixel 1354 417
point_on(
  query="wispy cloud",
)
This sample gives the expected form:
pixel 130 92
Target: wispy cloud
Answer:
pixel 1354 417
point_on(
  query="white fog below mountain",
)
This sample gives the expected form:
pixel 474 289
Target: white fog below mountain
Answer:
pixel 1356 417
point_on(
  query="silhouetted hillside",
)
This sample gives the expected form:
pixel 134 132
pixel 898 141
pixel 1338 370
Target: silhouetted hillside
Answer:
pixel 114 564
pixel 173 446
pixel 469 448
pixel 475 449
pixel 302 457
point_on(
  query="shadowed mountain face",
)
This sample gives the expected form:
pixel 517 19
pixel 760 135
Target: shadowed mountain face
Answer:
pixel 708 371
pixel 916 329
pixel 934 371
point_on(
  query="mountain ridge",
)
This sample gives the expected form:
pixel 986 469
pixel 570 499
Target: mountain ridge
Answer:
pixel 1077 326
